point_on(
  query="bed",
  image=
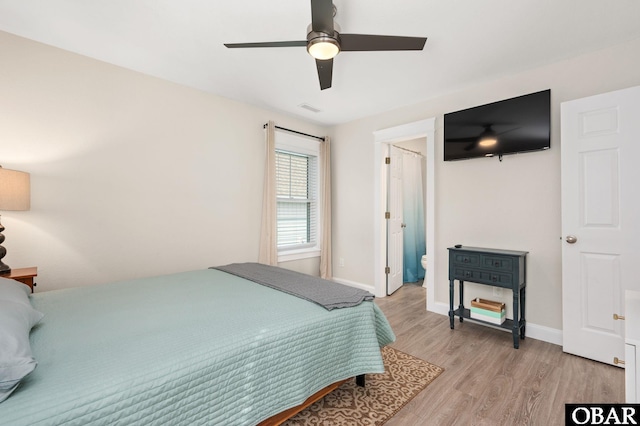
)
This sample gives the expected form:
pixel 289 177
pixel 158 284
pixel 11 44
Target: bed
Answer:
pixel 193 348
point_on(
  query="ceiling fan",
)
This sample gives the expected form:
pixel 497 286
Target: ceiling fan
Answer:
pixel 324 41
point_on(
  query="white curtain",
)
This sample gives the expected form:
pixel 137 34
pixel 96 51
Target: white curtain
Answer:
pixel 414 239
pixel 268 232
pixel 325 202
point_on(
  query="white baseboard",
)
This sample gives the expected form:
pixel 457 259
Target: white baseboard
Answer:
pixel 534 331
pixel 355 284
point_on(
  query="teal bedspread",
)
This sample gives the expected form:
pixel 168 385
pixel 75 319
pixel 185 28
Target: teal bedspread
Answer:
pixel 194 348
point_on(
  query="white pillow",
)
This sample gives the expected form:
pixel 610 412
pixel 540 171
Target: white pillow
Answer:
pixel 17 317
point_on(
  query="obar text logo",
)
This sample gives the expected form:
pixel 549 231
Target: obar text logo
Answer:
pixel 602 414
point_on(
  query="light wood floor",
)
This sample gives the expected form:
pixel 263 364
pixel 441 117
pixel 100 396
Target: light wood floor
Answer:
pixel 486 381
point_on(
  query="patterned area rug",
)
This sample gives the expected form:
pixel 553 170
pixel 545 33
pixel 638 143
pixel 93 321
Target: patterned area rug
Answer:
pixel 382 397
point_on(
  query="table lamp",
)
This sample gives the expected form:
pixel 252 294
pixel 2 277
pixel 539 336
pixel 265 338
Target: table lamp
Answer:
pixel 15 194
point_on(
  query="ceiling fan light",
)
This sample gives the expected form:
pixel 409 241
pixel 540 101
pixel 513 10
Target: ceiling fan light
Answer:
pixel 323 48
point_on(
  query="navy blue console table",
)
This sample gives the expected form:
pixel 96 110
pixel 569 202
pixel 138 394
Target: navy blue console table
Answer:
pixel 498 268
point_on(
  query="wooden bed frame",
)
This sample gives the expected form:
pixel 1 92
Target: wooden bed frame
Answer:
pixel 280 418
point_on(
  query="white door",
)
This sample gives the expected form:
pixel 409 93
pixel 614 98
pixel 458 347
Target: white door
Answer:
pixel 600 220
pixel 395 226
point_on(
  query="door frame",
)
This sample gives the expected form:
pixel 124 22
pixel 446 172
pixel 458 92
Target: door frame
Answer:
pixel 382 138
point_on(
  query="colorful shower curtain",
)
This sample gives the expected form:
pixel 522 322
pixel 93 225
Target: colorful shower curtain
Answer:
pixel 414 237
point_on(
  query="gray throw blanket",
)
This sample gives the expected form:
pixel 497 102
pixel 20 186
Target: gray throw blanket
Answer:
pixel 327 294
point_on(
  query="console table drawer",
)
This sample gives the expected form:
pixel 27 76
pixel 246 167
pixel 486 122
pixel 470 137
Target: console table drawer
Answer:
pixel 466 259
pixel 460 273
pixel 497 262
pixel 483 277
pixel 497 278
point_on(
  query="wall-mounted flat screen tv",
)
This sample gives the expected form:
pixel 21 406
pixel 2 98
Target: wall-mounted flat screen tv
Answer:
pixel 510 126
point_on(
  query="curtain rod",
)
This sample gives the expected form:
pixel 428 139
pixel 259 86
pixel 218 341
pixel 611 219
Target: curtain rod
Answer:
pixel 295 131
pixel 405 149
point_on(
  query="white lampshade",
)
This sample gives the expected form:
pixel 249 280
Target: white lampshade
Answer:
pixel 15 190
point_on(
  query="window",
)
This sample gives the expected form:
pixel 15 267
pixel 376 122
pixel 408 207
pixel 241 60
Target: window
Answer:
pixel 297 195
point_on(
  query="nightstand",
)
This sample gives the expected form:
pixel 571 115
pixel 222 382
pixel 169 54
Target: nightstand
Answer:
pixel 24 275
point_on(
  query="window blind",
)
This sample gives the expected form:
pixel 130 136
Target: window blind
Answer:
pixel 296 190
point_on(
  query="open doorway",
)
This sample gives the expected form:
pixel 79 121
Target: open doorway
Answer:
pixel 424 130
pixel 411 159
pixel 405 213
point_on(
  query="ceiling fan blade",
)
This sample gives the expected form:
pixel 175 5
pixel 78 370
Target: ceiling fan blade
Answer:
pixel 294 43
pixel 462 139
pixel 322 16
pixel 507 131
pixel 325 72
pixel 369 42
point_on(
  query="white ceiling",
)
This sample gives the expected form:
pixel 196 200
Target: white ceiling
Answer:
pixel 469 41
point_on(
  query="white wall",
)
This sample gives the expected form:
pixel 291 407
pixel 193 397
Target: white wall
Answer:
pixel 131 175
pixel 134 176
pixel 481 202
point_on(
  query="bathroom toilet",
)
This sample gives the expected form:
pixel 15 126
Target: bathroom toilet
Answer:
pixel 423 262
